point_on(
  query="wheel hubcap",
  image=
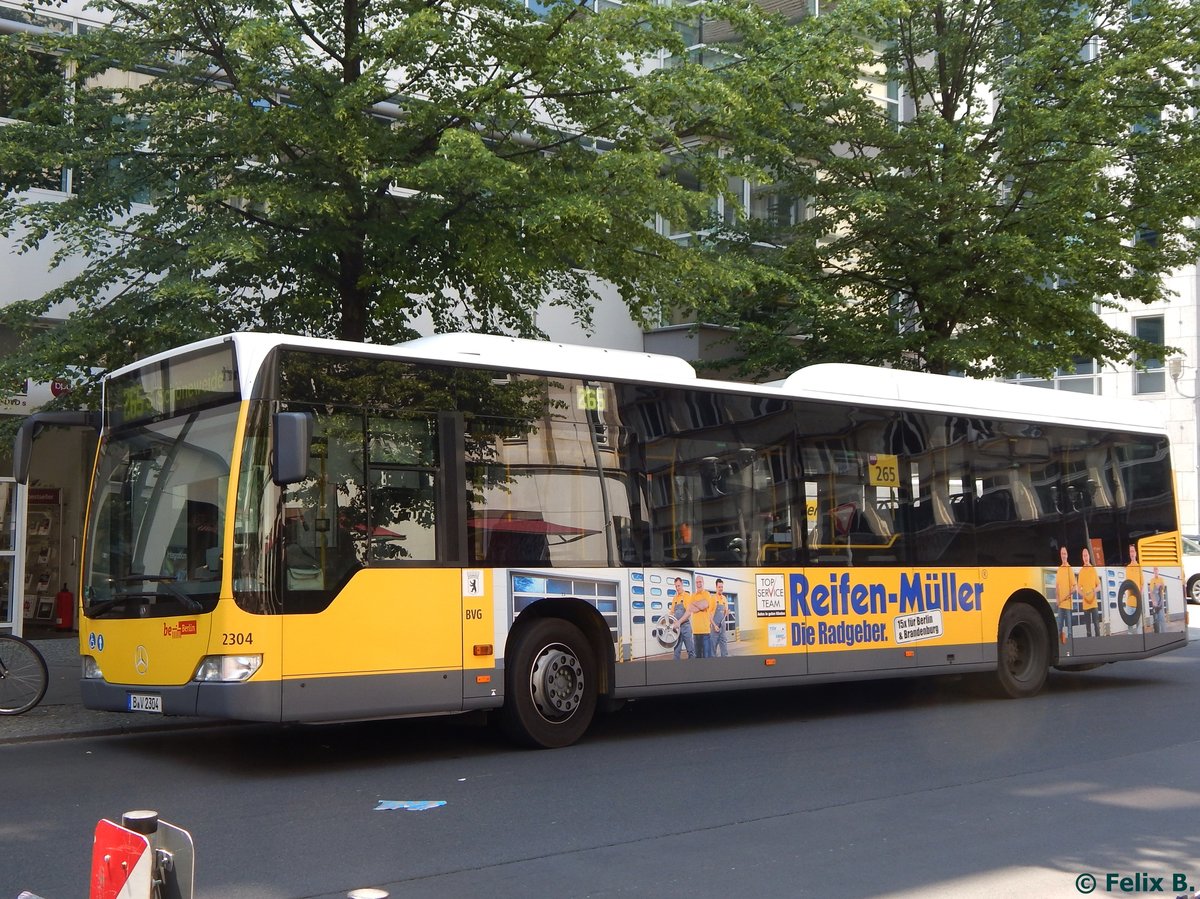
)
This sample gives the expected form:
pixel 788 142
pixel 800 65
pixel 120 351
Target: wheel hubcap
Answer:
pixel 1016 651
pixel 556 682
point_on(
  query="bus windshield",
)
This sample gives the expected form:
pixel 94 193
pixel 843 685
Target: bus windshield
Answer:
pixel 158 515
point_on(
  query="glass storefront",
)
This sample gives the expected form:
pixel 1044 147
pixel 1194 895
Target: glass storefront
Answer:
pixel 12 612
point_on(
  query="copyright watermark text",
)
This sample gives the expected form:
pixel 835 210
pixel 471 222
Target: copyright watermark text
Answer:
pixel 1130 884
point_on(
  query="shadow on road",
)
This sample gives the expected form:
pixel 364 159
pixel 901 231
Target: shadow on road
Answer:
pixel 295 748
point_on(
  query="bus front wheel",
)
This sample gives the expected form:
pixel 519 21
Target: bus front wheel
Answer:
pixel 550 685
pixel 1024 652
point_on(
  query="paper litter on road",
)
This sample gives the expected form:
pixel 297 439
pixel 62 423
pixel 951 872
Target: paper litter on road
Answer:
pixel 408 805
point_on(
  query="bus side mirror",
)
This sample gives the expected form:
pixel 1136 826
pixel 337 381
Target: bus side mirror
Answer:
pixel 291 441
pixel 23 445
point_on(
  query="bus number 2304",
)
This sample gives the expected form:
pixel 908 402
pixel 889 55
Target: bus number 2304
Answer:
pixel 237 639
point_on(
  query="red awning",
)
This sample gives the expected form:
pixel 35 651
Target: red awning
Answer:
pixel 525 523
pixel 377 531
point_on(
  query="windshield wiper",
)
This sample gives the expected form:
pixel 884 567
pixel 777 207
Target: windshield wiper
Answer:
pixel 190 603
pixel 99 607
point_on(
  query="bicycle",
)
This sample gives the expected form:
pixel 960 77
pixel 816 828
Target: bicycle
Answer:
pixel 23 675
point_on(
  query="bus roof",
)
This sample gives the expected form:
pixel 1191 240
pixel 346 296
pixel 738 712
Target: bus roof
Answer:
pixel 918 390
pixel 833 382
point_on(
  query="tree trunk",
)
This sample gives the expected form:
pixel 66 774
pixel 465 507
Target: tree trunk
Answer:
pixel 352 323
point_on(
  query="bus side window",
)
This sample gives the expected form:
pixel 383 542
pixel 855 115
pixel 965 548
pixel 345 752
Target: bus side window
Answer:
pixel 404 468
pixel 321 534
pixel 535 495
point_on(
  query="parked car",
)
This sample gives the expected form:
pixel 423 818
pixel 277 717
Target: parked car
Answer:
pixel 1191 568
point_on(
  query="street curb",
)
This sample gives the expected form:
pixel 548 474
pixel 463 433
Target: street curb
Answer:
pixel 114 731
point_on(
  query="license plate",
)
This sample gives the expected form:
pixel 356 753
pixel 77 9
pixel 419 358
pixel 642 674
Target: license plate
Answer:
pixel 145 702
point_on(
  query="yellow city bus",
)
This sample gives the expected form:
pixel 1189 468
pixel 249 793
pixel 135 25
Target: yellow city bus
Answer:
pixel 290 529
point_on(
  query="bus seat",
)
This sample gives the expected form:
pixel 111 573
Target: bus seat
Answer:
pixel 939 501
pixel 878 521
pixel 960 505
pixel 1025 501
pixel 995 506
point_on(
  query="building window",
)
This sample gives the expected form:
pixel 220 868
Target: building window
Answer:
pixel 775 207
pixel 1081 377
pixel 703 38
pixel 541 8
pixel 1152 378
pixel 34 91
pixel 702 217
pixel 892 104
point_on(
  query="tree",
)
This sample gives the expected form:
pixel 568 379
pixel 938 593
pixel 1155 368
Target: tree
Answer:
pixel 1046 170
pixel 347 169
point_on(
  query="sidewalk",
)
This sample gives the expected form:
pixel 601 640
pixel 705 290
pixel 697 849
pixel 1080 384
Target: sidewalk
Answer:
pixel 61 713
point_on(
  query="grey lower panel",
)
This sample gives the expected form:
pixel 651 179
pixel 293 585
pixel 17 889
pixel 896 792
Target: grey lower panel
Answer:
pixel 486 693
pixel 865 662
pixel 482 703
pixel 240 702
pixel 1067 662
pixel 1161 642
pixel 668 673
pixel 629 674
pixel 312 699
pixel 1086 650
pixel 894 661
pixel 790 678
pixel 372 696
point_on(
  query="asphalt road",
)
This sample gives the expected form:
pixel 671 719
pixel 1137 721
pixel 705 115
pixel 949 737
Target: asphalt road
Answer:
pixel 901 789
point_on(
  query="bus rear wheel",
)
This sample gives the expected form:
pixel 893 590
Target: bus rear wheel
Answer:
pixel 550 685
pixel 1024 652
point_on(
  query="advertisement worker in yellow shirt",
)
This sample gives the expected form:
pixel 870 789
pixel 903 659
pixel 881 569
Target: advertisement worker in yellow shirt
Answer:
pixel 720 615
pixel 1089 589
pixel 1064 592
pixel 700 606
pixel 1157 590
pixel 679 611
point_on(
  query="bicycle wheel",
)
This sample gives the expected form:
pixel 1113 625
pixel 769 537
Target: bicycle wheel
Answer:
pixel 23 675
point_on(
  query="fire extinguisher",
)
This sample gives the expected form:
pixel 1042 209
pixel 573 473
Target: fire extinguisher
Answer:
pixel 64 609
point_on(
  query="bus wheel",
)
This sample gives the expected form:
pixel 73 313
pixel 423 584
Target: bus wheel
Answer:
pixel 1024 652
pixel 550 687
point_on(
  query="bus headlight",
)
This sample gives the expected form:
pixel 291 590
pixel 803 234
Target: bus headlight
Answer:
pixel 91 669
pixel 227 669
